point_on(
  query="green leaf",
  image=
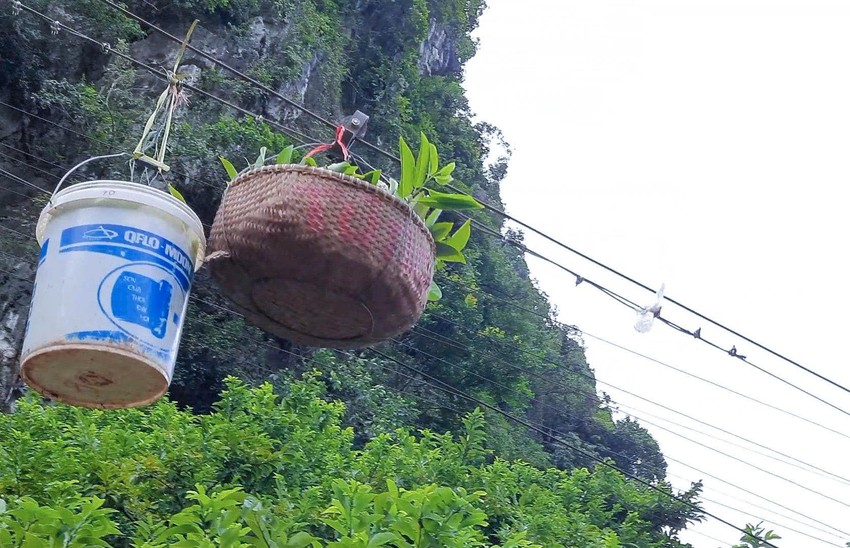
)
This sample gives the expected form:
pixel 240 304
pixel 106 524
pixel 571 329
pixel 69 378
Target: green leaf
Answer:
pixel 422 161
pixel 449 254
pixel 379 539
pixel 231 171
pixel 432 217
pixel 420 209
pixel 176 193
pixel 449 201
pixel 461 236
pixel 433 160
pixel 299 540
pixel 434 292
pixel 261 159
pixel 309 161
pixel 340 167
pixel 443 179
pixel 446 169
pixel 285 155
pixel 408 170
pixel 373 176
pixel 440 230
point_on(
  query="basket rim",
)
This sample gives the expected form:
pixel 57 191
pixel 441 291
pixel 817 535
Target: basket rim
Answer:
pixel 345 180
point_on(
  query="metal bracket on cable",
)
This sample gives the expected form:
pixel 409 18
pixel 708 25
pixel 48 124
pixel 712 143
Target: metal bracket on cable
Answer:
pixel 354 126
pixel 347 131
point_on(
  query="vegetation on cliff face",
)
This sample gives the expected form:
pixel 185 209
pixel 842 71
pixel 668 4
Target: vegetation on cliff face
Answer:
pixel 401 62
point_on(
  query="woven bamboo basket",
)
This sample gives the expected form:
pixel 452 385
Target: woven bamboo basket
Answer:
pixel 320 258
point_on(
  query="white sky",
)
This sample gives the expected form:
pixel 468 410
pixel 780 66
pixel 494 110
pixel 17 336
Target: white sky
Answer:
pixel 700 143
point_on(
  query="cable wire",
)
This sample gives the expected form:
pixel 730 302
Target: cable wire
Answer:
pixel 630 304
pixel 633 352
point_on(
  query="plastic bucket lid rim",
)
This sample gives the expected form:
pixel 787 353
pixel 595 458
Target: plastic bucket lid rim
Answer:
pixel 167 204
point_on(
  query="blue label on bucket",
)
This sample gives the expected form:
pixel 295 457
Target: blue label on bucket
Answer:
pixel 43 253
pixel 106 336
pixel 131 244
pixel 143 301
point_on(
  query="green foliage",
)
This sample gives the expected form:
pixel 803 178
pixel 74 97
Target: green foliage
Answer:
pixel 75 522
pixel 261 470
pixel 756 537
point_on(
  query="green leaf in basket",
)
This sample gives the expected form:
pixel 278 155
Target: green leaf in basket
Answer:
pixel 340 167
pixel 442 200
pixel 433 160
pixel 440 230
pixel 422 162
pixel 408 170
pixel 432 217
pixel 434 292
pixel 420 209
pixel 228 167
pixel 285 155
pixel 176 193
pixel 449 254
pixel 373 176
pixel 309 161
pixel 261 159
pixel 460 237
pixel 444 175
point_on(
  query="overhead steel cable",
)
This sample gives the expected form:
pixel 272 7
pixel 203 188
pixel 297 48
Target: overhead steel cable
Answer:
pixel 703 445
pixel 654 360
pixel 784 526
pixel 30 155
pixel 637 413
pixel 641 415
pixel 20 180
pixel 666 298
pixel 24 162
pixel 570 387
pixel 630 304
pixel 449 389
pixel 109 147
pixel 827 530
pixel 743 490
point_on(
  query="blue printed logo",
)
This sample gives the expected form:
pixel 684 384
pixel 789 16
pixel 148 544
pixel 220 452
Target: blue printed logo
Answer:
pixel 100 233
pixel 132 244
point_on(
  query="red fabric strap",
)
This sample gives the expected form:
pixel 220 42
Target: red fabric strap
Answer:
pixel 338 141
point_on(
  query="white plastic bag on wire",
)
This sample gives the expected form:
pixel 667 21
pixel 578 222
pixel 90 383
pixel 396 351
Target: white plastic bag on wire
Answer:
pixel 647 315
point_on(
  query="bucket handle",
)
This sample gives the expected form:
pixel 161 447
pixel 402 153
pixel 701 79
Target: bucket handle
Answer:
pixel 81 164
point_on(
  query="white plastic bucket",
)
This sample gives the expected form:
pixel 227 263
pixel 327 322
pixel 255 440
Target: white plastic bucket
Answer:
pixel 110 295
